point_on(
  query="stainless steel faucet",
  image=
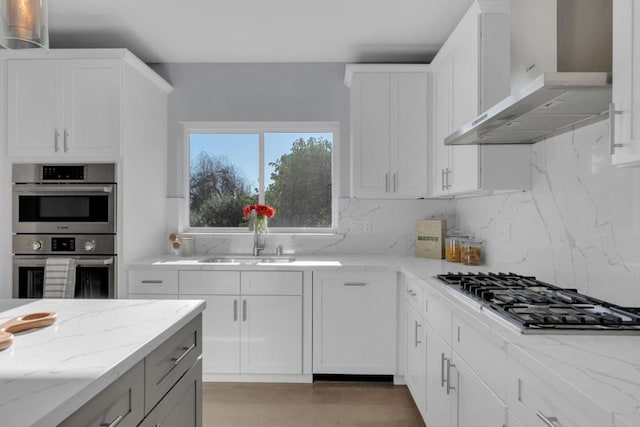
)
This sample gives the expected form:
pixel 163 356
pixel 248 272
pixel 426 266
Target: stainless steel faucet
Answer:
pixel 258 246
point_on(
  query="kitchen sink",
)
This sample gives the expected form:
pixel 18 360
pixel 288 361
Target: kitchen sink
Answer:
pixel 247 260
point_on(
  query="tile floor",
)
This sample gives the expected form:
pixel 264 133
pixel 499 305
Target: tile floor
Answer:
pixel 321 404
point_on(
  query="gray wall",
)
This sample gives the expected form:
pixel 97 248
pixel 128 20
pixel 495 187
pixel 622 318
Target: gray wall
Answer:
pixel 254 92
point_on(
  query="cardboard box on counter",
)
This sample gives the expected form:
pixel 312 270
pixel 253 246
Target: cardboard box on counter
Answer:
pixel 430 234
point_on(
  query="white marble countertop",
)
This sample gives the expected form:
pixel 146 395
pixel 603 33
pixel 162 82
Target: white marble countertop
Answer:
pixel 601 369
pixel 50 372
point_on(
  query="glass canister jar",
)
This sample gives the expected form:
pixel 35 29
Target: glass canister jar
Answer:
pixel 453 247
pixel 472 252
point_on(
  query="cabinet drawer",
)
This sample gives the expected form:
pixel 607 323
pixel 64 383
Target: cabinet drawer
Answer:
pixel 271 283
pixel 121 403
pixel 210 282
pixel 438 315
pixel 182 406
pixel 166 364
pixel 414 293
pixel 534 395
pixel 153 282
pixel 489 363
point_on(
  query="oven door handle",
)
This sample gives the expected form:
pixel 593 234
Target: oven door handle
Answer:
pixel 44 189
pixel 99 261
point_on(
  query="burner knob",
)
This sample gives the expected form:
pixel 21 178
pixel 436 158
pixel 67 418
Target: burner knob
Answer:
pixel 37 245
pixel 89 245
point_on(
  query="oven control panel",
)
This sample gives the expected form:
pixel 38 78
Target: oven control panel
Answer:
pixel 42 244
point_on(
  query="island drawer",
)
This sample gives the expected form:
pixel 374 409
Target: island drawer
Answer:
pixel 121 403
pixel 147 281
pixel 210 282
pixel 166 364
pixel 271 283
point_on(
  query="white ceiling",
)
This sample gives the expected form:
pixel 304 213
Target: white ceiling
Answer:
pixel 258 30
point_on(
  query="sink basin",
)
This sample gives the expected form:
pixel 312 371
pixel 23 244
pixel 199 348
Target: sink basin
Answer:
pixel 247 259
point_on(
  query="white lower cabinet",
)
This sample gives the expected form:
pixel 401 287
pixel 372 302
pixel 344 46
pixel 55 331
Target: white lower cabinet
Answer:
pixel 416 368
pixel 221 333
pixel 253 320
pixel 354 322
pixel 271 334
pixel 153 284
pixel 474 402
pixel 439 397
pixel 537 397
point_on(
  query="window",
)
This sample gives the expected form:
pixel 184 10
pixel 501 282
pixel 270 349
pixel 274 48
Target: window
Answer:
pixel 289 166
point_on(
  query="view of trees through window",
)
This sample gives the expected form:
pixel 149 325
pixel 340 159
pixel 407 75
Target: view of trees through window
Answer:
pixel 225 175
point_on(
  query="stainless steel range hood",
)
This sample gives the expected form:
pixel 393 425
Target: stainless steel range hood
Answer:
pixel 577 95
pixel 553 104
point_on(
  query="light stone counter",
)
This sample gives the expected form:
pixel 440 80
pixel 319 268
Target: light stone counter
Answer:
pixel 48 373
pixel 603 369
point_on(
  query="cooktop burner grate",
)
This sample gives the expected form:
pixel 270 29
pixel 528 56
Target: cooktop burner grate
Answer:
pixel 537 306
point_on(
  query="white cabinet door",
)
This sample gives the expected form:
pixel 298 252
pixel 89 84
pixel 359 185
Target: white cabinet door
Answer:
pixel 416 375
pixel 370 127
pixel 35 107
pixel 271 334
pixel 626 83
pixel 408 154
pixel 64 108
pixel 220 333
pixel 354 323
pixel 92 108
pixel 476 403
pixel 438 401
pixel 389 134
pixel 442 126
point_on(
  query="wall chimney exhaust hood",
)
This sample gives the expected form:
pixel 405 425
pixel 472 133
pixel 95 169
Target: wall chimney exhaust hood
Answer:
pixel 552 104
pixel 577 92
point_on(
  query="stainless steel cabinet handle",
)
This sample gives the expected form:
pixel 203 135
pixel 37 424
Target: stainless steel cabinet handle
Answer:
pixel 355 284
pixel 244 310
pixel 612 127
pixel 449 386
pixel 394 182
pixel 235 310
pixel 442 361
pixel 386 182
pixel 446 178
pixel 187 350
pixel 56 136
pixel 66 136
pixel 417 341
pixel 442 180
pixel 113 423
pixel 151 281
pixel 549 421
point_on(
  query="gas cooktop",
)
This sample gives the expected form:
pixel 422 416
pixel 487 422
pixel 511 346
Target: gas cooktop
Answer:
pixel 538 307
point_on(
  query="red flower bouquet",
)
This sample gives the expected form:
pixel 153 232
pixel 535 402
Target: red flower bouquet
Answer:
pixel 261 210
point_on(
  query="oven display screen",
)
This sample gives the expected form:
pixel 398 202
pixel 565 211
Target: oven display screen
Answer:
pixel 63 244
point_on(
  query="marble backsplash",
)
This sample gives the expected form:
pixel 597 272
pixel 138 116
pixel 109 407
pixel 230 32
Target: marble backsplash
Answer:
pixel 578 227
pixel 393 224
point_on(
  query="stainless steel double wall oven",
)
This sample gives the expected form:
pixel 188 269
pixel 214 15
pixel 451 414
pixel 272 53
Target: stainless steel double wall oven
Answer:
pixel 65 211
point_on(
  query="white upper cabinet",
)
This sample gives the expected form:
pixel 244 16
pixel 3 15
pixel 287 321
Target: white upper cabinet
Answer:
pixel 625 137
pixel 64 108
pixel 389 130
pixel 471 74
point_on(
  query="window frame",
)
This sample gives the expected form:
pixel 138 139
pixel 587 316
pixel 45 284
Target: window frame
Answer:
pixel 261 128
